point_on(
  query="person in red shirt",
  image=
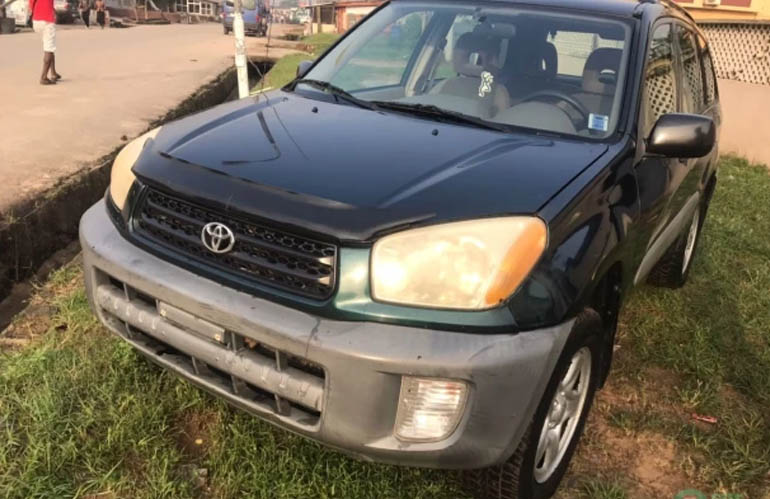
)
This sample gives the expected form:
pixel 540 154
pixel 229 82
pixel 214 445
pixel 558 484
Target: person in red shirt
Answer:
pixel 44 22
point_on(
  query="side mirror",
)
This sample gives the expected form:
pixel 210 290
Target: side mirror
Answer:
pixel 303 68
pixel 682 136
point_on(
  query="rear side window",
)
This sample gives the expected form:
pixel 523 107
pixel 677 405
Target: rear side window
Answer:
pixel 692 73
pixel 660 88
pixel 709 76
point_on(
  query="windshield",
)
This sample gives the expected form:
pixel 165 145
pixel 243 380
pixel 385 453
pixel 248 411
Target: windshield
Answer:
pixel 538 69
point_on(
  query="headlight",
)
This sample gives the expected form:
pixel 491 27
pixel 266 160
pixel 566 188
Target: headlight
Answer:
pixel 469 265
pixel 121 177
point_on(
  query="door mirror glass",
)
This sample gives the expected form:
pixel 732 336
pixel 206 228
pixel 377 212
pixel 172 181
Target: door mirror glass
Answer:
pixel 682 136
pixel 303 67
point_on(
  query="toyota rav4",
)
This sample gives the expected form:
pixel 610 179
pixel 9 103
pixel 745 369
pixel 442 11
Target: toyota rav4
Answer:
pixel 416 251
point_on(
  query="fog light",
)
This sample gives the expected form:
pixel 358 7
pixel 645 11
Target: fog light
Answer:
pixel 429 409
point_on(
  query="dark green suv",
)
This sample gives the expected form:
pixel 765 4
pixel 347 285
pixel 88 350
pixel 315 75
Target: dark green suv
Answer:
pixel 416 252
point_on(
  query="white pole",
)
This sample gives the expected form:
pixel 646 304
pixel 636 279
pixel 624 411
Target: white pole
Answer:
pixel 240 51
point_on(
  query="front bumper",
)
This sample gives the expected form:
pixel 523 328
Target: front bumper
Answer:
pixel 335 382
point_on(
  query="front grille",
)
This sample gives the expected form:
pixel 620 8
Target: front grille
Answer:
pixel 256 376
pixel 262 254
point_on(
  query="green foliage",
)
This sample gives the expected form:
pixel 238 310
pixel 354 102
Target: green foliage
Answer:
pixel 600 489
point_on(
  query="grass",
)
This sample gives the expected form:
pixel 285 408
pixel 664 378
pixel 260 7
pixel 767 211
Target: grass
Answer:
pixel 599 489
pixel 715 333
pixel 81 414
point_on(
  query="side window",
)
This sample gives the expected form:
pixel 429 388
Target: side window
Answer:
pixel 709 76
pixel 382 60
pixel 660 88
pixel 692 75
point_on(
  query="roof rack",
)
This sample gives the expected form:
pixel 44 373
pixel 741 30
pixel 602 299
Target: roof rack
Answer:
pixel 671 4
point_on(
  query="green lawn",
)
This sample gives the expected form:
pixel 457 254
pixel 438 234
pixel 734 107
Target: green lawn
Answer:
pixel 82 414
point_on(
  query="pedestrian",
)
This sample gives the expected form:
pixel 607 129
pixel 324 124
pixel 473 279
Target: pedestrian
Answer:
pixel 99 5
pixel 44 23
pixel 85 12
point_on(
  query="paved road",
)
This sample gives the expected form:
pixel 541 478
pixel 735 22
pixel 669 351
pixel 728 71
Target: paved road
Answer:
pixel 115 82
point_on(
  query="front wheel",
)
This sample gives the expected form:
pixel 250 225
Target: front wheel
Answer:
pixel 674 266
pixel 226 30
pixel 541 460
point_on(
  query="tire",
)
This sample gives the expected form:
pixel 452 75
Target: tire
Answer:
pixel 521 477
pixel 673 269
pixel 226 30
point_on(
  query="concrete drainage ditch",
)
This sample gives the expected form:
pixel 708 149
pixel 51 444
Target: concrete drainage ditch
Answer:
pixel 37 230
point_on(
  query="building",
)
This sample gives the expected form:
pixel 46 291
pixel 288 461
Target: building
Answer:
pixel 723 10
pixel 348 13
pixel 321 16
pixel 739 32
pixel 198 8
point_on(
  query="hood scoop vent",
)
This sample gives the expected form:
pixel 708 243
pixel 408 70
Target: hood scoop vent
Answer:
pixel 230 141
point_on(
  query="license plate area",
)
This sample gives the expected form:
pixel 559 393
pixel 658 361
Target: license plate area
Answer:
pixel 192 323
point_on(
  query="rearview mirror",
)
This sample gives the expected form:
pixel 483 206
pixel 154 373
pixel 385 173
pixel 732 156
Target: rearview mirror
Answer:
pixel 303 67
pixel 682 136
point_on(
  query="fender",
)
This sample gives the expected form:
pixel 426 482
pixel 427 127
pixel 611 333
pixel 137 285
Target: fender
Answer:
pixel 594 225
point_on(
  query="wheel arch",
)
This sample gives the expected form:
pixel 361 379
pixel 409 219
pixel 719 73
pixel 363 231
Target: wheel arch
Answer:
pixel 606 299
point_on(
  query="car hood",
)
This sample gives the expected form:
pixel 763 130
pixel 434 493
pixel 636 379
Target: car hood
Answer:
pixel 351 173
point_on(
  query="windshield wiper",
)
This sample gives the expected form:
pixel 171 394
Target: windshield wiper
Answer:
pixel 439 114
pixel 337 92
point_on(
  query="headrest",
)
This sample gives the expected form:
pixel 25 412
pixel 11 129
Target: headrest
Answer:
pixel 600 74
pixel 486 47
pixel 540 61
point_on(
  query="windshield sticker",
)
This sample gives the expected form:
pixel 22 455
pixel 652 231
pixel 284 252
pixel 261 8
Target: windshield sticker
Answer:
pixel 486 83
pixel 598 122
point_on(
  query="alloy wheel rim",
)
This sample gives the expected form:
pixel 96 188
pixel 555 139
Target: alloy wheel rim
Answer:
pixel 692 236
pixel 563 415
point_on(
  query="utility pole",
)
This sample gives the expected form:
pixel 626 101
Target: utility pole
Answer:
pixel 240 50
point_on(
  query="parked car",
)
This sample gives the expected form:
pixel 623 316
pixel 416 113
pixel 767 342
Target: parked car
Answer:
pixel 254 20
pixel 19 11
pixel 417 251
pixel 302 18
pixel 66 10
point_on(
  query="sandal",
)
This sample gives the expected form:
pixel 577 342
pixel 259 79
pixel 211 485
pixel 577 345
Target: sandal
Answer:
pixel 56 77
pixel 46 81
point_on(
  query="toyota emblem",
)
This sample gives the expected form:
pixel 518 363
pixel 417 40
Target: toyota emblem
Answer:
pixel 217 237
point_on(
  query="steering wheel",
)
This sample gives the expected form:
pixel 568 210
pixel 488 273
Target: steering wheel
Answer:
pixel 564 98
